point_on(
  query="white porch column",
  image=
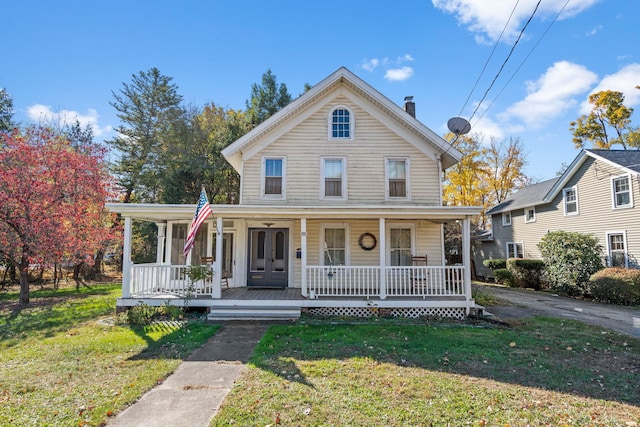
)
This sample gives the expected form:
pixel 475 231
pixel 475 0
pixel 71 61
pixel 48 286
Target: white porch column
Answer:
pixel 126 259
pixel 466 256
pixel 382 244
pixel 303 248
pixel 162 227
pixel 217 272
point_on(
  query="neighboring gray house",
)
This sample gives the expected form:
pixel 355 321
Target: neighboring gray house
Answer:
pixel 597 194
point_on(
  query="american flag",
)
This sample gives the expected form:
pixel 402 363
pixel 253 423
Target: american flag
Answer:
pixel 203 210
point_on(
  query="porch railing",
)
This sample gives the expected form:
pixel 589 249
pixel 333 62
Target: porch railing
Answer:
pixel 154 280
pixel 354 281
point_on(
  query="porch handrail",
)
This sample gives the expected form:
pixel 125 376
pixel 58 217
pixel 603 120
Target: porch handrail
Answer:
pixel 153 280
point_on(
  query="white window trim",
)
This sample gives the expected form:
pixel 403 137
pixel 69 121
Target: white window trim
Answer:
pixel 388 228
pixel 407 177
pixel 516 249
pixel 506 215
pixel 564 200
pixel 281 196
pixel 527 220
pixel 624 239
pixel 613 191
pixel 344 178
pixel 347 240
pixel 352 122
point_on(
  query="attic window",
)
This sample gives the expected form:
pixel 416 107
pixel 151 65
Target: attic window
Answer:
pixel 340 123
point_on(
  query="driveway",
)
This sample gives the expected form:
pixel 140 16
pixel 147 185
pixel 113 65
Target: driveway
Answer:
pixel 528 303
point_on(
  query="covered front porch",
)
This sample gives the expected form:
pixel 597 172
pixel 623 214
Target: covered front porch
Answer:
pixel 377 275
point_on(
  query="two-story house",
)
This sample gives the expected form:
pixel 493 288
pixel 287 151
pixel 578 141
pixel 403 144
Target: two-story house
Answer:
pixel 597 194
pixel 340 213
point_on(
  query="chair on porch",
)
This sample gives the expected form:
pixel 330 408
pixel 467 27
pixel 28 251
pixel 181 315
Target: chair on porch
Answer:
pixel 419 277
pixel 224 282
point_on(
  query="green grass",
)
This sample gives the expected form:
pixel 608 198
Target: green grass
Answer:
pixel 60 366
pixel 540 372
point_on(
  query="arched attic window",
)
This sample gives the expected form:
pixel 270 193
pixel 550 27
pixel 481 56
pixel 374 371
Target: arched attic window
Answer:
pixel 341 123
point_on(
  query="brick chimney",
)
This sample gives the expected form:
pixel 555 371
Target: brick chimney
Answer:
pixel 410 106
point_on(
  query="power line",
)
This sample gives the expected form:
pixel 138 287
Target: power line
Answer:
pixel 506 60
pixel 523 61
pixel 489 58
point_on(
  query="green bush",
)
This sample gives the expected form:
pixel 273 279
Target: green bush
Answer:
pixel 526 272
pixel 616 286
pixel 570 259
pixel 495 263
pixel 503 276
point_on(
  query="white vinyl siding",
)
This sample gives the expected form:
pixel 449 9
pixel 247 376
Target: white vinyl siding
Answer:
pixel 397 177
pixel 570 200
pixel 621 188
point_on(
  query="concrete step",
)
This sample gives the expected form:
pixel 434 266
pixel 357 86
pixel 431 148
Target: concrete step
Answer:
pixel 253 313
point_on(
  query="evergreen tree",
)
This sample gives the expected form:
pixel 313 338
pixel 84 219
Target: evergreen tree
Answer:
pixel 266 99
pixel 6 111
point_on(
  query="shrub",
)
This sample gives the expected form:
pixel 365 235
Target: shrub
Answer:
pixel 570 259
pixel 525 272
pixel 495 263
pixel 616 286
pixel 503 276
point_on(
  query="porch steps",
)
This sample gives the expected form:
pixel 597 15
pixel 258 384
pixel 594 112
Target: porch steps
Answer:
pixel 253 312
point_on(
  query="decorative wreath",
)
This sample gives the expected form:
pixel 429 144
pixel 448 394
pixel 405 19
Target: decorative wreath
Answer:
pixel 367 241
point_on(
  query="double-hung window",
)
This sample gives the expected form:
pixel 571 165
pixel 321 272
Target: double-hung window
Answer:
pixel 570 197
pixel 515 250
pixel 397 171
pixel 621 187
pixel 273 183
pixel 506 218
pixel 617 249
pixel 530 214
pixel 340 123
pixel 400 246
pixel 333 185
pixel 334 244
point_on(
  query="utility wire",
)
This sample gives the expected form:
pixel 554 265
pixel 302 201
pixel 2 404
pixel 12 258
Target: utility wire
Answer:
pixel 523 61
pixel 489 58
pixel 506 60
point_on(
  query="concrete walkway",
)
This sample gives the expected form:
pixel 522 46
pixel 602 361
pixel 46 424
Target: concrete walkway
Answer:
pixel 525 302
pixel 192 395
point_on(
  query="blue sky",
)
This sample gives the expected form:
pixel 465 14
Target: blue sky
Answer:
pixel 63 59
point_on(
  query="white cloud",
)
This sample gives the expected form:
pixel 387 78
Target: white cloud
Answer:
pixel 488 18
pixel 398 74
pixel 552 94
pixel 485 129
pixel 43 113
pixel 371 64
pixel 595 30
pixel 624 81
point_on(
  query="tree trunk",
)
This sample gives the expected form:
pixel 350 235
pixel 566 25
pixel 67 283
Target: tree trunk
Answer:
pixel 24 280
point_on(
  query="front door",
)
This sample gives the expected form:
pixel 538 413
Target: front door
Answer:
pixel 269 257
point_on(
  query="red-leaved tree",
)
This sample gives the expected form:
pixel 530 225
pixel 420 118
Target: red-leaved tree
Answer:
pixel 52 197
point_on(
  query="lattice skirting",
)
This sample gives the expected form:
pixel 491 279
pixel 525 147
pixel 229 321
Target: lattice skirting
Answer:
pixel 414 312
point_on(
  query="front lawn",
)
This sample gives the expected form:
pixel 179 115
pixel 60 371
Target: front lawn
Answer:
pixel 64 363
pixel 542 372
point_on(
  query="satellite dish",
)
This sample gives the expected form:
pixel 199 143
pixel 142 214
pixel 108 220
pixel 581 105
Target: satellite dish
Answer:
pixel 459 126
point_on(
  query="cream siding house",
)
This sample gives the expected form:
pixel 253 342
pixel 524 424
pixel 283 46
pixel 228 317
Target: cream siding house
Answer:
pixel 339 192
pixel 598 194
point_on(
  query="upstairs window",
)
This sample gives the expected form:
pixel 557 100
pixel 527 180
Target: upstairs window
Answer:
pixel 340 123
pixel 530 215
pixel 273 177
pixel 333 185
pixel 506 218
pixel 621 187
pixel 397 176
pixel 570 197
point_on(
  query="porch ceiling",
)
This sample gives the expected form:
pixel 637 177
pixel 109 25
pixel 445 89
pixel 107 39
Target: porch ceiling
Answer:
pixel 162 213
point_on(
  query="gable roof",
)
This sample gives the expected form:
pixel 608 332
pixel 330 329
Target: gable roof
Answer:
pixel 525 197
pixel 626 160
pixel 298 110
